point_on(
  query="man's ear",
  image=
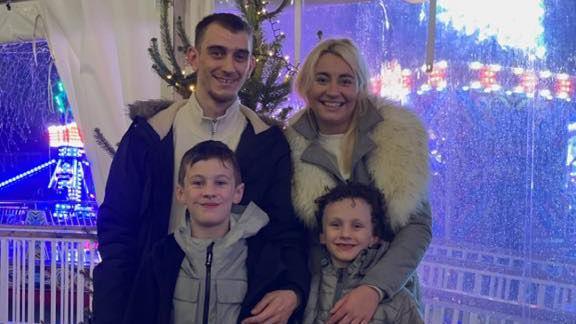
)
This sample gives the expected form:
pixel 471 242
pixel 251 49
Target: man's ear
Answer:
pixel 192 57
pixel 252 64
pixel 322 238
pixel 238 193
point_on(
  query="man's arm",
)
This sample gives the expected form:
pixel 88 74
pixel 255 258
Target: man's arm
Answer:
pixel 118 227
pixel 286 231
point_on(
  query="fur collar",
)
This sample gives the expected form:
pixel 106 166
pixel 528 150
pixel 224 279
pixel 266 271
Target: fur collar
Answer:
pixel 160 114
pixel 398 164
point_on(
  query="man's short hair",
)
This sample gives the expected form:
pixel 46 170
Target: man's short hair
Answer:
pixel 208 150
pixel 229 21
pixel 355 190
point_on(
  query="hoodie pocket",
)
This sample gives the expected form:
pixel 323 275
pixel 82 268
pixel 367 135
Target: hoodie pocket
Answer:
pixel 187 290
pixel 231 291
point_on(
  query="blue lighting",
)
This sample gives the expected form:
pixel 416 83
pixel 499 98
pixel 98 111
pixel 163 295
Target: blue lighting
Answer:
pixel 497 19
pixel 27 173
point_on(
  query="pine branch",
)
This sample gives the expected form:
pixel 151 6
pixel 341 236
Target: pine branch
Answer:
pixel 103 142
pixel 167 37
pixel 181 32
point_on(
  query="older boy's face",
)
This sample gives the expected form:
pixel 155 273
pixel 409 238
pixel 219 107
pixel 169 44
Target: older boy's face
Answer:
pixel 347 230
pixel 209 191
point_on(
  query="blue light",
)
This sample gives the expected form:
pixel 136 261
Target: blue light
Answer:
pixel 27 173
pixel 497 19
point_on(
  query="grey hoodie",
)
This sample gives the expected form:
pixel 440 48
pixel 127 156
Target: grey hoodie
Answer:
pixel 221 263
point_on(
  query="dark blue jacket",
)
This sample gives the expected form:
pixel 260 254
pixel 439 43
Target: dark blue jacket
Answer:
pixel 136 212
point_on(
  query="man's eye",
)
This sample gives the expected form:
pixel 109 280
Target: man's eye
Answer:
pixel 217 53
pixel 241 56
pixel 196 183
pixel 221 183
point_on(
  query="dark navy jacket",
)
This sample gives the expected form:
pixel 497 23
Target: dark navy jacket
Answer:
pixel 136 212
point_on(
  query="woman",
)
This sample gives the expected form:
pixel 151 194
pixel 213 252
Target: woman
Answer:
pixel 344 134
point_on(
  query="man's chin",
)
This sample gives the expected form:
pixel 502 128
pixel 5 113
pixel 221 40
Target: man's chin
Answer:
pixel 224 97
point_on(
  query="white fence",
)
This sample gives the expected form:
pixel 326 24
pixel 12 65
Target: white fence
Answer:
pixel 475 286
pixel 45 274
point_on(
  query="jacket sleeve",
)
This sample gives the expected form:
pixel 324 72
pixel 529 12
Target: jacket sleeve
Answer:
pixel 284 229
pixel 144 300
pixel 404 254
pixel 118 227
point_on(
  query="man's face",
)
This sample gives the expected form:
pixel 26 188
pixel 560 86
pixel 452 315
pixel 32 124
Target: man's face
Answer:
pixel 223 61
pixel 209 190
pixel 347 229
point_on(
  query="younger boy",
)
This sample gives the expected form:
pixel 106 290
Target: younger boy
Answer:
pixel 351 218
pixel 198 274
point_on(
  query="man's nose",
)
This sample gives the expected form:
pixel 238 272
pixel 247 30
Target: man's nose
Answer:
pixel 228 64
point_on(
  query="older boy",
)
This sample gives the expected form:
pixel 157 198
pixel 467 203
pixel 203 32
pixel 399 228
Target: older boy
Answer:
pixel 353 231
pixel 198 274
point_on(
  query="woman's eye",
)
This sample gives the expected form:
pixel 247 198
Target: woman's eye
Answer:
pixel 346 82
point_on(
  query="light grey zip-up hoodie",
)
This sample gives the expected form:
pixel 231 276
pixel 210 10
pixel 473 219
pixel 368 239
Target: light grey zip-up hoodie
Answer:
pixel 213 274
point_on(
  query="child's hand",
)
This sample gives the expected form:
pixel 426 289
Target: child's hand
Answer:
pixel 357 306
pixel 276 307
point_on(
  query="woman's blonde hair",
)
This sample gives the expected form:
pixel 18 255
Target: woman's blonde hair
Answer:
pixel 346 50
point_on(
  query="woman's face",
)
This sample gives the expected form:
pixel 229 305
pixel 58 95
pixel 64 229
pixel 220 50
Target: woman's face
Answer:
pixel 332 96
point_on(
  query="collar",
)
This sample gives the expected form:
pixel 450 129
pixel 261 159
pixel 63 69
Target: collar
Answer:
pixel 198 111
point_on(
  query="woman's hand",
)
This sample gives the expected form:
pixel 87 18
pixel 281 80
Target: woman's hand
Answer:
pixel 357 306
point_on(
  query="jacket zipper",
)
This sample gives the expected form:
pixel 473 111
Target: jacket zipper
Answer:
pixel 342 276
pixel 214 123
pixel 207 283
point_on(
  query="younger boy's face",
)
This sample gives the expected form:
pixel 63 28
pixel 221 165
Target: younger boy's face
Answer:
pixel 209 191
pixel 347 230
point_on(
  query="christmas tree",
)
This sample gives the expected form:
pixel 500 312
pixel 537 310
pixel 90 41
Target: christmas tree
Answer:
pixel 270 84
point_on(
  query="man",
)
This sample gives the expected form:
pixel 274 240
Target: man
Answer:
pixel 140 207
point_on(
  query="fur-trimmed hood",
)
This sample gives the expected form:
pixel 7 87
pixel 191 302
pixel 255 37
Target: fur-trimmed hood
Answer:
pixel 161 113
pixel 397 161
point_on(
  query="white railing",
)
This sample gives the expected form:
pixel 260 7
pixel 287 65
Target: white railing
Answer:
pixel 472 286
pixel 45 274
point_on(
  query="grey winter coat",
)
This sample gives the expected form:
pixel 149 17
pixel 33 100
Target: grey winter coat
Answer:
pixel 329 284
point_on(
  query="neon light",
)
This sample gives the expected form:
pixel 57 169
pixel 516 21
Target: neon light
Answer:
pixel 437 78
pixel 393 82
pixel 499 20
pixel 27 173
pixel 483 77
pixel 65 135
